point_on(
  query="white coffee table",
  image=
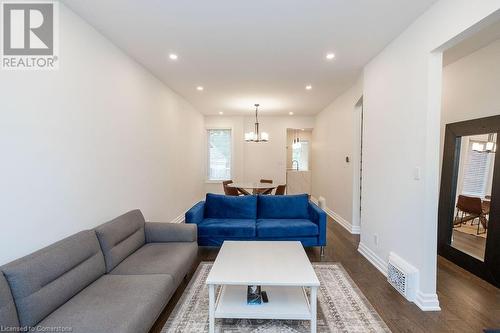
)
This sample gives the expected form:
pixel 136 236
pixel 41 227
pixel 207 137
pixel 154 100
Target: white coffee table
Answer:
pixel 281 268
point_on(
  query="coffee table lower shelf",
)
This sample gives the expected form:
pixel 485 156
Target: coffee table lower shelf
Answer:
pixel 285 303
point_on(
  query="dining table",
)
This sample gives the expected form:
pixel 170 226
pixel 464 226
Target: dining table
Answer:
pixel 249 188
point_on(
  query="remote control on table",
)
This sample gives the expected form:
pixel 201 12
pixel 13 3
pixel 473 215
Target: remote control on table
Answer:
pixel 264 297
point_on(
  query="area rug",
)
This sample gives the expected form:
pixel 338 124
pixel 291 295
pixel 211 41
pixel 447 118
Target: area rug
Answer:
pixel 341 308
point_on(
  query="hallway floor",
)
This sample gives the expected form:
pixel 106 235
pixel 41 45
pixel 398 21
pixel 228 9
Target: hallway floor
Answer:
pixel 468 303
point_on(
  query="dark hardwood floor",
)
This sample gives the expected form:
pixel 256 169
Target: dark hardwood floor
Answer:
pixel 468 304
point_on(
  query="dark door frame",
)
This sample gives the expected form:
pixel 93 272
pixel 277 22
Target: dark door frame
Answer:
pixel 488 270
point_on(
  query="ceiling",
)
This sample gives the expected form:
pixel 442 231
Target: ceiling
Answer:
pixel 247 52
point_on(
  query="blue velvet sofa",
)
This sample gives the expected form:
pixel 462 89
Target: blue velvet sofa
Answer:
pixel 258 217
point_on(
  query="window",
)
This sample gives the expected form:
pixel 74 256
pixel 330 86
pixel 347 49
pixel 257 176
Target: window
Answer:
pixel 476 172
pixel 219 154
pixel 300 155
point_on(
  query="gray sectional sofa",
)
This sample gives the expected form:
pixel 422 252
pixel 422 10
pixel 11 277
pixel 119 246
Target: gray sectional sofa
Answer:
pixel 115 278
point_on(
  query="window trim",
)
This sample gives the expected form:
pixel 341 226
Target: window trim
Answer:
pixel 488 161
pixel 207 161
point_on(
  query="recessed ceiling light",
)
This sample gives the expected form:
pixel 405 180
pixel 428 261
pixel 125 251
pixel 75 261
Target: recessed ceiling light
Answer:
pixel 200 88
pixel 173 56
pixel 221 113
pixel 309 87
pixel 290 113
pixel 302 129
pixel 330 56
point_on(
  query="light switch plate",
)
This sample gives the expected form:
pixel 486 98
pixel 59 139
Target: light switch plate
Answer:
pixel 417 173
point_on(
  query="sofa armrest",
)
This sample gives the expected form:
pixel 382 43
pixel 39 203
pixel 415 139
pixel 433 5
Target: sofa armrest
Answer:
pixel 318 216
pixel 170 232
pixel 196 213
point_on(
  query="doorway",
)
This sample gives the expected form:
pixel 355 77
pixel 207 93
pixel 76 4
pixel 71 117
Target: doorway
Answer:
pixel 298 160
pixel 357 160
pixel 468 231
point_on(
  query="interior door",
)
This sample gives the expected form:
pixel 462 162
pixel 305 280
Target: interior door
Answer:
pixel 469 205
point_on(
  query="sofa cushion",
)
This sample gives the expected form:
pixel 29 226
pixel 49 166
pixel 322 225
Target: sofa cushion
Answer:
pixel 229 207
pixel 121 237
pixel 276 228
pixel 8 314
pixel 173 258
pixel 115 304
pixel 46 279
pixel 227 228
pixel 283 206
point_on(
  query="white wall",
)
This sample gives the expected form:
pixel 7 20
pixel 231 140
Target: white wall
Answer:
pixel 333 140
pixel 88 142
pixel 402 100
pixel 253 161
pixel 471 86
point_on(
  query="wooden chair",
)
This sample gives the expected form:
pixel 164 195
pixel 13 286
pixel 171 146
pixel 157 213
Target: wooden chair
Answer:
pixel 470 208
pixel 280 190
pixel 268 191
pixel 483 219
pixel 230 190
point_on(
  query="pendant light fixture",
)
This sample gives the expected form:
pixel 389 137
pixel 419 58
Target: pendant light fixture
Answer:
pixel 296 141
pixel 491 146
pixel 256 136
pixel 486 147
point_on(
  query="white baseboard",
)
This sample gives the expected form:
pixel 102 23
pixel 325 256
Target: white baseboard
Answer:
pixel 427 302
pixel 373 258
pixel 355 230
pixel 179 219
